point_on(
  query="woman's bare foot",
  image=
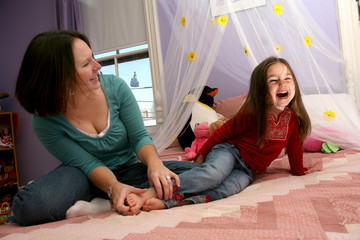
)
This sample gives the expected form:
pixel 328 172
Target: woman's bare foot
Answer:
pixel 153 204
pixel 137 201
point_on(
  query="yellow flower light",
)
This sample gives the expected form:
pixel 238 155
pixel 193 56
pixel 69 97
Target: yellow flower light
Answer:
pixel 278 8
pixel 222 21
pixel 192 56
pixel 246 51
pixel 277 48
pixel 308 40
pixel 213 21
pixel 329 115
pixel 183 21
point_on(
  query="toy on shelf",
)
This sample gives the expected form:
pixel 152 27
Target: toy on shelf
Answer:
pixel 5 207
pixel 6 139
pixel 9 184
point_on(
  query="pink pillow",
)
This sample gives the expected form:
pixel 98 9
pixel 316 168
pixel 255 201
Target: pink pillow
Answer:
pixel 312 145
pixel 228 107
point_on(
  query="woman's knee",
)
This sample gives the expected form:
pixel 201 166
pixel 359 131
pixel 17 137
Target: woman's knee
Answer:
pixel 29 209
pixel 47 199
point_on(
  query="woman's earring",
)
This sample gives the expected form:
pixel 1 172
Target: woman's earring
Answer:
pixel 71 92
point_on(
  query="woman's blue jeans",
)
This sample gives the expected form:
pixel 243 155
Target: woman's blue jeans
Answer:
pixel 48 198
pixel 223 174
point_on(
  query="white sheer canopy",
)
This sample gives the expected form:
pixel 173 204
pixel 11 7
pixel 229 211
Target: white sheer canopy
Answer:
pixel 282 28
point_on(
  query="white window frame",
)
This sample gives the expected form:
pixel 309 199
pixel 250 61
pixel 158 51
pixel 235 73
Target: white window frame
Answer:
pixel 118 55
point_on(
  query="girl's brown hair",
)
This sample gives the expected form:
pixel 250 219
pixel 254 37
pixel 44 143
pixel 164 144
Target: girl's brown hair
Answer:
pixel 48 73
pixel 257 101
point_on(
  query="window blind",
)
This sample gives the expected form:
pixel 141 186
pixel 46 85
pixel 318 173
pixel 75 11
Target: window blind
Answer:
pixel 113 24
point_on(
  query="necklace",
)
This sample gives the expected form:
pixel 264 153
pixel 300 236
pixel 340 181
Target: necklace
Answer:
pixel 77 120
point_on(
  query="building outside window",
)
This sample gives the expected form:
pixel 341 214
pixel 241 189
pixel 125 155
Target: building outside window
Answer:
pixel 133 66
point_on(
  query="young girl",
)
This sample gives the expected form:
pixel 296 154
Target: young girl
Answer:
pixel 272 118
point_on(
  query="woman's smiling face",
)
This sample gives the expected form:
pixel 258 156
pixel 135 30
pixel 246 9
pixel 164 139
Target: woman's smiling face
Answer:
pixel 281 86
pixel 86 66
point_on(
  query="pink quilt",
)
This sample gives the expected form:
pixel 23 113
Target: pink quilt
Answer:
pixel 322 205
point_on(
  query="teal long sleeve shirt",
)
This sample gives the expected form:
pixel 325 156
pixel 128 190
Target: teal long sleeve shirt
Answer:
pixel 118 146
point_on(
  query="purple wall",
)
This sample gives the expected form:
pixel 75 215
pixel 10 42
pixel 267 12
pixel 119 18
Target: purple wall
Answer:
pixel 20 21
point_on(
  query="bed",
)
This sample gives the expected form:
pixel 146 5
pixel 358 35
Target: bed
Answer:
pixel 322 205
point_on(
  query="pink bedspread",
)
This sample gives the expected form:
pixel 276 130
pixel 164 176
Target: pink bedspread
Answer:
pixel 322 205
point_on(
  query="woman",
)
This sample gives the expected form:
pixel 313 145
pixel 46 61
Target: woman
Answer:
pixel 92 124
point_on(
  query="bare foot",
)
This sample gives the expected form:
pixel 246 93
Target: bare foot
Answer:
pixel 153 204
pixel 137 201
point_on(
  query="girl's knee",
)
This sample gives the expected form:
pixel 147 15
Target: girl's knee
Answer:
pixel 214 174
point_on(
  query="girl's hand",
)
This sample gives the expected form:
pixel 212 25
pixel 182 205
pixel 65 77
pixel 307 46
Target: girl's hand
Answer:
pixel 118 195
pixel 199 159
pixel 161 178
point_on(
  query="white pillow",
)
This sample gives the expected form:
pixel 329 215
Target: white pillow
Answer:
pixel 334 118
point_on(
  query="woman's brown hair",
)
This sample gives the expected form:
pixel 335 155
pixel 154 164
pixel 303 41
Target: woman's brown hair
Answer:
pixel 257 101
pixel 47 73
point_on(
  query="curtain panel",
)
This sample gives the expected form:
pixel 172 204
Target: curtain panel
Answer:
pixel 68 15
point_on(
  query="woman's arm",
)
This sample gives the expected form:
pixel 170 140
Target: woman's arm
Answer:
pixel 141 142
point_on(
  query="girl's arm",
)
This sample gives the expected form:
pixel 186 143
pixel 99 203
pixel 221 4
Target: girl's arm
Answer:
pixel 295 151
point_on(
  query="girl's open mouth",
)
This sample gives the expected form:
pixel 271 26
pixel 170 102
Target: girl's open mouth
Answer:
pixel 282 94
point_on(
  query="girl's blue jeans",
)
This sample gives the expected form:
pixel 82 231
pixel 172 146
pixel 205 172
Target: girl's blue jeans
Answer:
pixel 223 174
pixel 48 198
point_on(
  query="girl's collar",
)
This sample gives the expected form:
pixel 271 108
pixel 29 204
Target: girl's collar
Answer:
pixel 277 115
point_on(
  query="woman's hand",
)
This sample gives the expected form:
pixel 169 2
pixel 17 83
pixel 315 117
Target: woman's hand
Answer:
pixel 161 178
pixel 104 179
pixel 119 194
pixel 199 159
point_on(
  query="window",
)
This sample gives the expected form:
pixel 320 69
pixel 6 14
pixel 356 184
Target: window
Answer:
pixel 116 56
pixel 133 66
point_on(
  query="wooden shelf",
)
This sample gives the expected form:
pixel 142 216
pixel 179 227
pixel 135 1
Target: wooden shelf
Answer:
pixel 9 178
